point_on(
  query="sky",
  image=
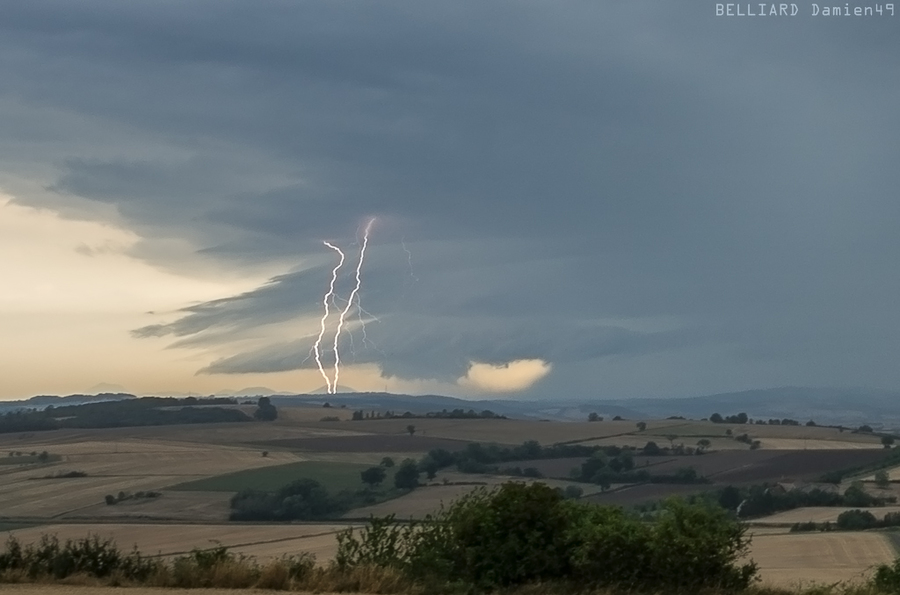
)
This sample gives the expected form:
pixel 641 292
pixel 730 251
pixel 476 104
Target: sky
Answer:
pixel 570 200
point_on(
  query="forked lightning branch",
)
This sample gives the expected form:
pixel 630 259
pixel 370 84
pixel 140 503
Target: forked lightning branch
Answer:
pixel 331 381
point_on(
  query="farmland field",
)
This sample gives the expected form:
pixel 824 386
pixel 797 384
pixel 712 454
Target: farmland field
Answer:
pixel 197 468
pixel 365 443
pixel 787 560
pixel 501 431
pixel 169 540
pixel 127 465
pixel 333 476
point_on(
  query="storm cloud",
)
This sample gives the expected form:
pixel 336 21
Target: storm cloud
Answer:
pixel 652 200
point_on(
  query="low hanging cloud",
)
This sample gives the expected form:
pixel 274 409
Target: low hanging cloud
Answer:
pixel 503 378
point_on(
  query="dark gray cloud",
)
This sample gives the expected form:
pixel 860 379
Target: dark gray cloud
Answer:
pixel 562 176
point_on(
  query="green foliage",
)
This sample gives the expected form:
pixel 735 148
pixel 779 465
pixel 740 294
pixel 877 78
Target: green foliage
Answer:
pixel 387 462
pixel 765 499
pixel 856 520
pixel 373 476
pixel 303 499
pixel 887 578
pixel 407 475
pixel 265 410
pixel 91 555
pixel 882 480
pixel 520 534
pixel 382 542
pixel 651 449
pixel 572 492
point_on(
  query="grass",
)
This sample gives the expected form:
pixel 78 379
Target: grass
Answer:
pixel 333 476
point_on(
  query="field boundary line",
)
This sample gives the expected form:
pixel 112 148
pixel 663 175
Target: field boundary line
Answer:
pixel 249 543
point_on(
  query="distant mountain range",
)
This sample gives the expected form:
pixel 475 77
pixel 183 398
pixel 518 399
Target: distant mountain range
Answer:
pixel 847 406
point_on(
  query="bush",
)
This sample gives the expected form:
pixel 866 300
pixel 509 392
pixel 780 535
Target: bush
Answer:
pixel 91 556
pixel 887 578
pixel 520 534
pixel 407 476
pixel 856 520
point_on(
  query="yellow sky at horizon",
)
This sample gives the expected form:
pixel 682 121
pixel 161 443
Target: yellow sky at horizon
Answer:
pixel 70 295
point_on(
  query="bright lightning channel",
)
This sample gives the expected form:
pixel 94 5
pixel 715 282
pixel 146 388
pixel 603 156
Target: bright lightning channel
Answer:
pixel 353 294
pixel 328 296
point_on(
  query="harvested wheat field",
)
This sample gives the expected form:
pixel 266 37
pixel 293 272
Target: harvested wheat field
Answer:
pixel 893 475
pixel 128 465
pixel 171 506
pixel 168 540
pixel 793 559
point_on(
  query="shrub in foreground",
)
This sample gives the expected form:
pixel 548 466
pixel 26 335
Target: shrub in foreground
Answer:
pixel 524 534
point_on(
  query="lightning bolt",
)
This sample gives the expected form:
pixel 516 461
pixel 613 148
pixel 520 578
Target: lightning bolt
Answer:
pixel 408 258
pixel 353 294
pixel 325 301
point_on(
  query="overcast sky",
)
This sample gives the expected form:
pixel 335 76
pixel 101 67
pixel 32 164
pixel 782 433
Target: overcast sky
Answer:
pixel 572 199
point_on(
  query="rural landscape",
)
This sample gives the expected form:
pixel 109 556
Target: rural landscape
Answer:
pixel 506 297
pixel 167 477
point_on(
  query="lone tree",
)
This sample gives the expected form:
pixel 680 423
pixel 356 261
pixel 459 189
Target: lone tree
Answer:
pixel 651 449
pixel 882 480
pixel 703 444
pixel 641 425
pixel 594 417
pixel 387 462
pixel 407 476
pixel 265 410
pixel 411 429
pixel 373 476
pixel 887 441
pixel 716 418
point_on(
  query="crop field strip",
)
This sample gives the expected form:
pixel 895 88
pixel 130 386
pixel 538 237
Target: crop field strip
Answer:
pixel 365 443
pixel 823 558
pixel 501 431
pixel 171 540
pixel 819 514
pixel 332 475
pixel 138 466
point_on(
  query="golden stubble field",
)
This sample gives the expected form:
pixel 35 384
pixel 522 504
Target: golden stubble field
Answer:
pixel 121 465
pixel 803 559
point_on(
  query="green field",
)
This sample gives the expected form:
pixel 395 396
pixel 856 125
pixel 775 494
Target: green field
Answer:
pixel 333 476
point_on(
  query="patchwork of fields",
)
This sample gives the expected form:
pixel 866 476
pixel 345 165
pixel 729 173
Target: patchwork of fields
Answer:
pixel 197 469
